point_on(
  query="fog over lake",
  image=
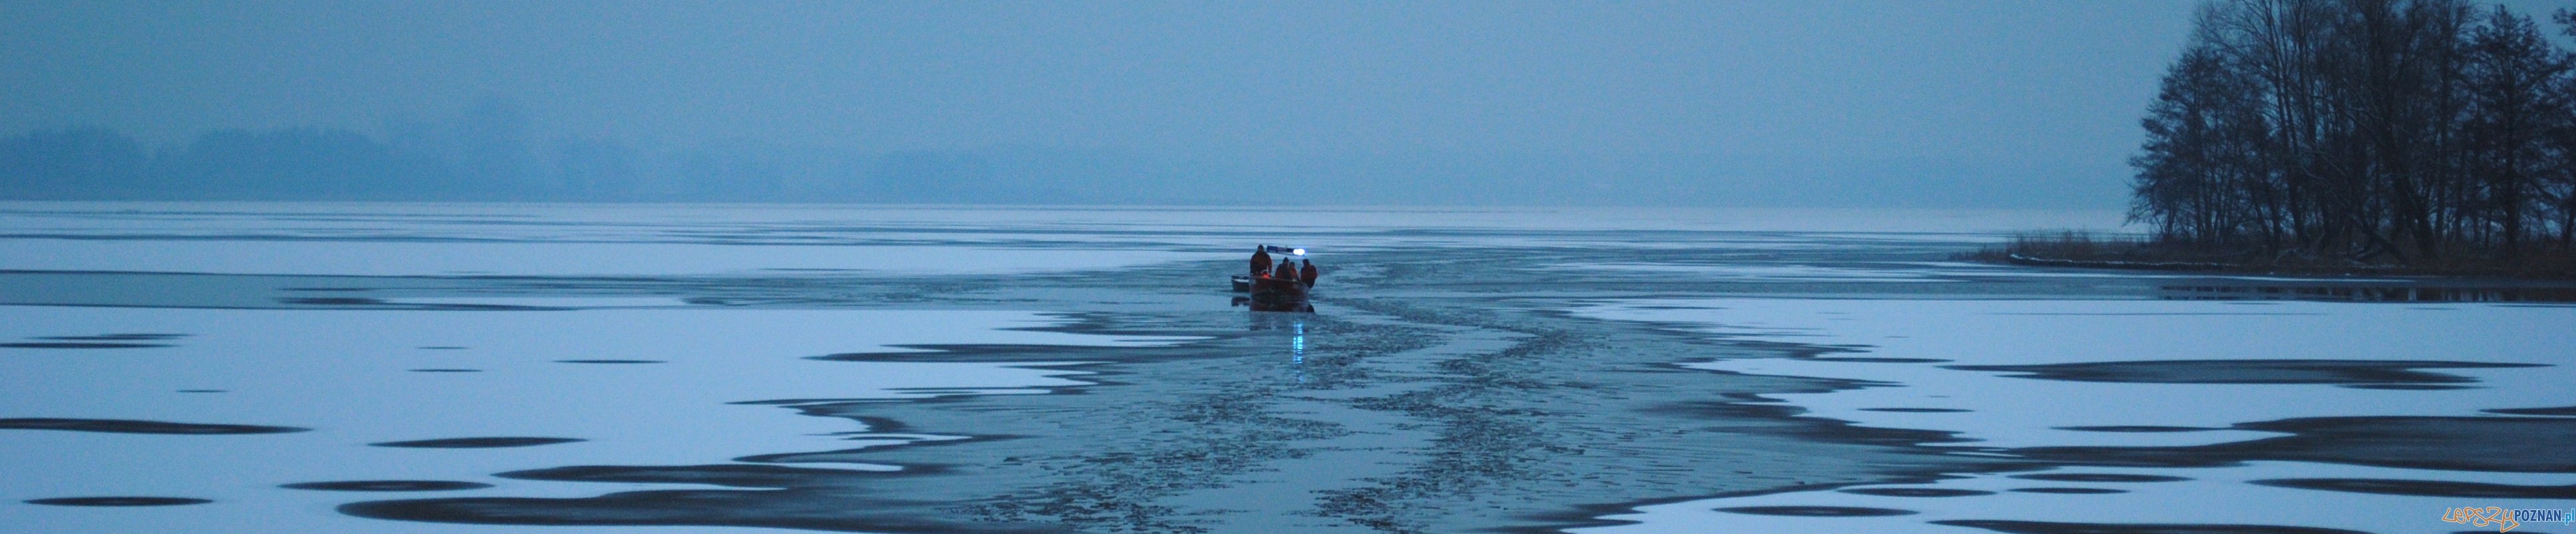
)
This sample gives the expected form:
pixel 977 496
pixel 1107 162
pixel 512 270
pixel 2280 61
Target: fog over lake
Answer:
pixel 1995 104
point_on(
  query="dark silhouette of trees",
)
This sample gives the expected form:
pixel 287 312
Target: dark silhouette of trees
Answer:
pixel 2512 80
pixel 2419 132
pixel 293 163
pixel 85 164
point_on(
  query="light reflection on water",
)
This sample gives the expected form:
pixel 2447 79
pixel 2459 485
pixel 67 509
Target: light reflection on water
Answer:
pixel 1297 351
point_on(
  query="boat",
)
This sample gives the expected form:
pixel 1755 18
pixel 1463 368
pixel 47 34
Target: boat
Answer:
pixel 1266 293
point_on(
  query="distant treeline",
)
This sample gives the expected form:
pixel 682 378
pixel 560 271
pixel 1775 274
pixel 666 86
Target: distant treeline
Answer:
pixel 482 164
pixel 489 153
pixel 2414 132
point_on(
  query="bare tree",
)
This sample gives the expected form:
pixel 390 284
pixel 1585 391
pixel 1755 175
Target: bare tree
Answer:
pixel 2413 131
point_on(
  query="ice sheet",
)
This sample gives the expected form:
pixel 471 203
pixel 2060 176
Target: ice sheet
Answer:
pixel 2007 411
pixel 348 375
pixel 2214 496
pixel 1867 340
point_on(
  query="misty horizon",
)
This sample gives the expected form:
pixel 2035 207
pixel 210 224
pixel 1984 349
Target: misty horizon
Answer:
pixel 463 163
pixel 1999 104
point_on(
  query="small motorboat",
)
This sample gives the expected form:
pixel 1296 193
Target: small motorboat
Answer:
pixel 1269 293
pixel 1278 290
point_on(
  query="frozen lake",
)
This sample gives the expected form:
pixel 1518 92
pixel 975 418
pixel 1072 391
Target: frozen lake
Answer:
pixel 246 367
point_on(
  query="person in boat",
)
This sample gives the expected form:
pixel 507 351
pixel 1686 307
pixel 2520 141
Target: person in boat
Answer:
pixel 1260 261
pixel 1306 272
pixel 1287 271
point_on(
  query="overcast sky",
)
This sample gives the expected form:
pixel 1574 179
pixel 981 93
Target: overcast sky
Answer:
pixel 2053 85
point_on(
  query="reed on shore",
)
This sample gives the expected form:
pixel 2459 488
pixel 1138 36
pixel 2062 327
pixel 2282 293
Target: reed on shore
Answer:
pixel 2071 248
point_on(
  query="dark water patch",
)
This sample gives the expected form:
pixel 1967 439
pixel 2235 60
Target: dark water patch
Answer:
pixel 2098 477
pixel 858 455
pixel 609 361
pixel 479 307
pixel 332 301
pixel 2372 294
pixel 118 501
pixel 1916 492
pixel 202 391
pixel 388 485
pixel 81 345
pixel 791 509
pixel 2425 488
pixel 799 402
pixel 476 443
pixel 2044 527
pixel 362 302
pixel 2407 387
pixel 789 497
pixel 1914 410
pixel 2070 491
pixel 2246 371
pixel 2159 314
pixel 444 370
pixel 1817 511
pixel 1859 359
pixel 2134 428
pixel 2507 444
pixel 969 353
pixel 118 337
pixel 2562 410
pixel 125 426
pixel 1807 427
pixel 741 476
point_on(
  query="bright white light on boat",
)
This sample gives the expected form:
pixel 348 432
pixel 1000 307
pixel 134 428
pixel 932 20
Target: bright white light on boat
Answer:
pixel 1297 251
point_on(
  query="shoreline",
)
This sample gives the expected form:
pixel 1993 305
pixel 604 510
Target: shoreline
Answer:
pixel 2081 250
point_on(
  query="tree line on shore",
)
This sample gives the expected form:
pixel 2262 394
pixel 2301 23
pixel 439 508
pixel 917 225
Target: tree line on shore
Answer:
pixel 492 152
pixel 2406 132
pixel 488 153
